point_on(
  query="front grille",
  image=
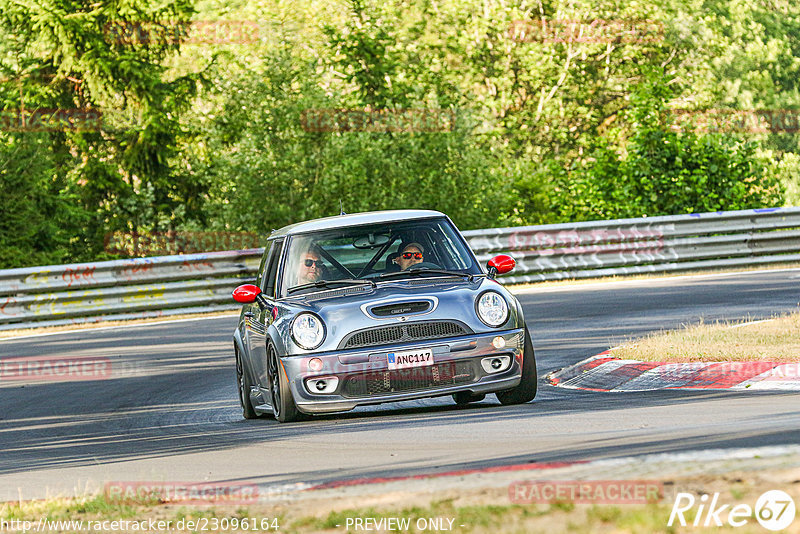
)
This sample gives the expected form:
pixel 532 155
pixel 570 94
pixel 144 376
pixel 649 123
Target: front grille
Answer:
pixel 402 380
pixel 404 332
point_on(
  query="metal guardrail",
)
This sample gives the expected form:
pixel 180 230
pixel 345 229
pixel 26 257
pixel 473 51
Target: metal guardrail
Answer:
pixel 648 245
pixel 168 285
pixel 123 289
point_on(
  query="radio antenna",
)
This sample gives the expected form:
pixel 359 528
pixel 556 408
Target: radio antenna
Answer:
pixel 341 208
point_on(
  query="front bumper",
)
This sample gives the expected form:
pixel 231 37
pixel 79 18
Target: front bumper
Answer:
pixel 364 377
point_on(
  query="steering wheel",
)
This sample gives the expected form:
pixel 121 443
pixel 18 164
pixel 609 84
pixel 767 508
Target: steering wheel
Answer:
pixel 424 265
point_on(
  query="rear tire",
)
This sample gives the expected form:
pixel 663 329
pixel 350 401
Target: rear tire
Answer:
pixel 463 398
pixel 526 390
pixel 244 385
pixel 283 407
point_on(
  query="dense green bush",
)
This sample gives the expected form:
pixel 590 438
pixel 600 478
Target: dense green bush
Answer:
pixel 668 171
pixel 39 214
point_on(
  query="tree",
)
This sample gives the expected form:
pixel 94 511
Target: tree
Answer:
pixel 65 55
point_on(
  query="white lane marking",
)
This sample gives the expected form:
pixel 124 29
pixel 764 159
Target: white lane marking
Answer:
pixel 751 322
pixel 774 385
pixel 578 285
pixel 27 336
pixel 744 453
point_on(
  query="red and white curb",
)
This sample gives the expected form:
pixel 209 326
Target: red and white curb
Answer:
pixel 604 372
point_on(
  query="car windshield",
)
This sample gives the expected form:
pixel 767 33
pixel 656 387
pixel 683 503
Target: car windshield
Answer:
pixel 395 250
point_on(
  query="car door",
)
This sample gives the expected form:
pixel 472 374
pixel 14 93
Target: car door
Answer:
pixel 251 328
pixel 259 316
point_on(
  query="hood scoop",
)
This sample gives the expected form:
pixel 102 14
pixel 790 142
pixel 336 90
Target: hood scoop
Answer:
pixel 400 308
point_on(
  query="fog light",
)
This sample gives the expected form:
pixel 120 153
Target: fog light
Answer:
pixel 322 385
pixel 496 364
pixel 315 364
pixel 499 342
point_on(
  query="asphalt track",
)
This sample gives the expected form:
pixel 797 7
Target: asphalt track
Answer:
pixel 170 412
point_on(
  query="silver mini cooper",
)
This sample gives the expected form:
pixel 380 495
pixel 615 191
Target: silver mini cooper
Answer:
pixel 377 307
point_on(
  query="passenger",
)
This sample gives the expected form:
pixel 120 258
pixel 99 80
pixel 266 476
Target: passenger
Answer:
pixel 411 255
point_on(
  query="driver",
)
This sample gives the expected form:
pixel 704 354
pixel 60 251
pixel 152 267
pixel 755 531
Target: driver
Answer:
pixel 310 267
pixel 410 255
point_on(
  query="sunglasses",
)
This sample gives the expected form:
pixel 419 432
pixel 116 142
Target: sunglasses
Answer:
pixel 309 262
pixel 409 255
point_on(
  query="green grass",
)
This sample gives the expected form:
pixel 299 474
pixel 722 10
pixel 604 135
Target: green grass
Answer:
pixel 483 513
pixel 511 518
pixel 479 518
pixel 63 508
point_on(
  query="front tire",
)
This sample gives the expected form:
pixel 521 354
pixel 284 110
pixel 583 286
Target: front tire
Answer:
pixel 244 385
pixel 462 398
pixel 283 407
pixel 526 390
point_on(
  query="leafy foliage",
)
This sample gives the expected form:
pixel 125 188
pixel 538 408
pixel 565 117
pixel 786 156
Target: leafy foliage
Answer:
pixel 38 218
pixel 212 137
pixel 60 56
pixel 665 171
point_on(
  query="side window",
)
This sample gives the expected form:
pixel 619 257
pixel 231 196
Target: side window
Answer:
pixel 260 279
pixel 272 268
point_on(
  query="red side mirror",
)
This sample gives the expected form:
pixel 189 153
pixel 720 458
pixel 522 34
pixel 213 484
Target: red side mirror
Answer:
pixel 246 293
pixel 501 264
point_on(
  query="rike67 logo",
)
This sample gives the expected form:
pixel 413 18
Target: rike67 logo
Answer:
pixel 774 510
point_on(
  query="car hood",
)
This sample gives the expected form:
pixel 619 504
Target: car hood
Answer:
pixel 343 309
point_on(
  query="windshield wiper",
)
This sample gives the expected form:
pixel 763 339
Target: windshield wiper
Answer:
pixel 425 270
pixel 326 283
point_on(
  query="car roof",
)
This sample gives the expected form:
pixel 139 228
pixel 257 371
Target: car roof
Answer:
pixel 355 219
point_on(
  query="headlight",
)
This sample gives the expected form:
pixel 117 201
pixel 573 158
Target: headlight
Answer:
pixel 308 331
pixel 492 308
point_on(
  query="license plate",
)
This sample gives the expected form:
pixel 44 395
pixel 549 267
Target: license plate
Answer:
pixel 411 358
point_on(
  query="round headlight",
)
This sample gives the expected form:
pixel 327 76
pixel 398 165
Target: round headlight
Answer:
pixel 308 331
pixel 492 308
